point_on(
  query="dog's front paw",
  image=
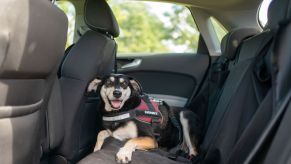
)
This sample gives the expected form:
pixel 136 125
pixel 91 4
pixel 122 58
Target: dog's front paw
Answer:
pixel 97 148
pixel 194 153
pixel 124 155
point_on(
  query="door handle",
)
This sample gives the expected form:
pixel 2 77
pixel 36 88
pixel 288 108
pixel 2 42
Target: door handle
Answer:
pixel 135 63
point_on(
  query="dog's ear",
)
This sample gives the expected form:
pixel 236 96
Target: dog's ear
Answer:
pixel 94 85
pixel 136 85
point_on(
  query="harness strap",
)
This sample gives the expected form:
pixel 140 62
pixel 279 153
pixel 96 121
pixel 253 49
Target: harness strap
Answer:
pixel 110 121
pixel 121 117
pixel 148 103
pixel 156 117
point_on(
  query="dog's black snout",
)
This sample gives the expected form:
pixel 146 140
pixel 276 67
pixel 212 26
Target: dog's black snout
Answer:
pixel 117 93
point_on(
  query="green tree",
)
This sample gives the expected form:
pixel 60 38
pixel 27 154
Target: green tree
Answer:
pixel 141 30
pixel 182 30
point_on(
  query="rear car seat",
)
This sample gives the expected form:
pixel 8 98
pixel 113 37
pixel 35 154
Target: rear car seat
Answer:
pixel 141 157
pixel 93 55
pixel 244 91
pixel 251 139
pixel 254 60
pixel 29 54
pixel 219 70
pixel 277 144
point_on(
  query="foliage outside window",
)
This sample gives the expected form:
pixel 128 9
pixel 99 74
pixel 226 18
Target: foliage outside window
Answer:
pixel 153 27
pixel 218 28
pixel 69 10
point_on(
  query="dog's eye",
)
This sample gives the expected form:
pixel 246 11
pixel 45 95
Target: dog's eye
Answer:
pixel 123 85
pixel 109 83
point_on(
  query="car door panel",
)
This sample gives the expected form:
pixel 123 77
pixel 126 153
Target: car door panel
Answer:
pixel 171 77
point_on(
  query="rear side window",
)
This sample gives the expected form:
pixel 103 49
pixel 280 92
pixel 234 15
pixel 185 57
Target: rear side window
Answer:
pixel 153 27
pixel 218 28
pixel 69 10
pixel 263 13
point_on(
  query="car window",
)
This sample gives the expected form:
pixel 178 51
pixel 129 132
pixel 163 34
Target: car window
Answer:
pixel 218 28
pixel 154 27
pixel 263 13
pixel 69 10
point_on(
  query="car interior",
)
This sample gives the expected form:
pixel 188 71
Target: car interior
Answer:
pixel 219 59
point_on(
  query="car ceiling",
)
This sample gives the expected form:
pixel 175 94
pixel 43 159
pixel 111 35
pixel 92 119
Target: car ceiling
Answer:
pixel 219 4
pixel 226 11
pixel 221 9
pixel 215 4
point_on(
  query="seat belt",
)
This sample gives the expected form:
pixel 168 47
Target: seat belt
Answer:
pixel 270 130
pixel 219 73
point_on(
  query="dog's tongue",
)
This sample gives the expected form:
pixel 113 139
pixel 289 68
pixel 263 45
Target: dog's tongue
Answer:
pixel 115 103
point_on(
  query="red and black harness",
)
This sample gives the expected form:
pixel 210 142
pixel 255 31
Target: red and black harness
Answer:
pixel 147 112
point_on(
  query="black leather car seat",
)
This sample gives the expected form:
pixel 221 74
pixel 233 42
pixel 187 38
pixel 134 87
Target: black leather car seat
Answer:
pixel 92 55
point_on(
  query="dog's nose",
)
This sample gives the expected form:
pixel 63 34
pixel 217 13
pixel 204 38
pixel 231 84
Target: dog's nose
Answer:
pixel 117 94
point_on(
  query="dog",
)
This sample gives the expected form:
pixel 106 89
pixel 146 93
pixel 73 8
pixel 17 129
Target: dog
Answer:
pixel 152 127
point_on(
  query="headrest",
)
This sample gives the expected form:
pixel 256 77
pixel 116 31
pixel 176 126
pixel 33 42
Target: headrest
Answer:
pixel 32 38
pixel 277 12
pixel 231 41
pixel 86 58
pixel 99 17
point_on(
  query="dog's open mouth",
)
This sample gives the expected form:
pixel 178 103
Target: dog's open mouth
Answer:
pixel 116 103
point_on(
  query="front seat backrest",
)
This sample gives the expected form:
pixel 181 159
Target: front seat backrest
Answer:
pixel 231 41
pixel 32 40
pixel 92 55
